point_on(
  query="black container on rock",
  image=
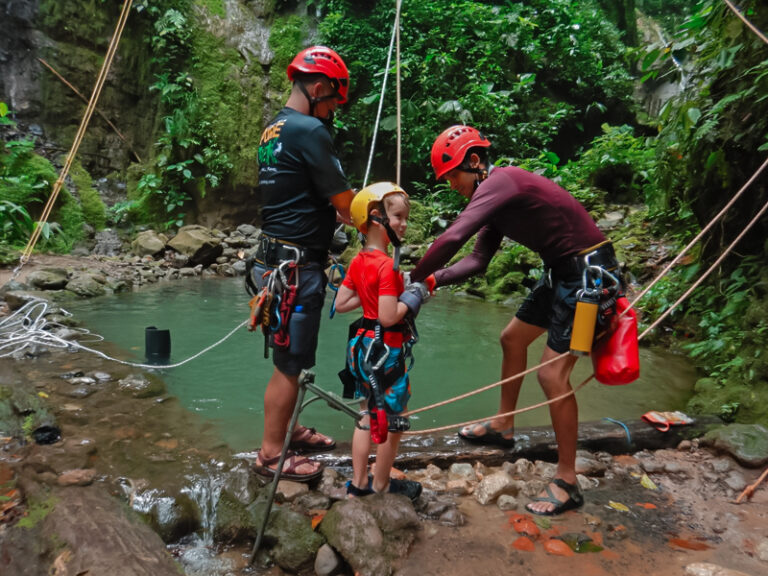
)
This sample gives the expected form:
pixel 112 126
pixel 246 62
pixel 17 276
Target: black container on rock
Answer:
pixel 157 345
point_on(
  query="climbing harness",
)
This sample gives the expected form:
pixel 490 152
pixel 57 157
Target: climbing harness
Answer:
pixel 273 305
pixel 369 364
pixel 595 303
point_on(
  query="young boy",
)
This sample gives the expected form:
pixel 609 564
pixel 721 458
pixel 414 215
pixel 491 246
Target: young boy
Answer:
pixel 380 212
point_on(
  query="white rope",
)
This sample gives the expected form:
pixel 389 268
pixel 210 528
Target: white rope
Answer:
pixel 27 327
pixel 395 27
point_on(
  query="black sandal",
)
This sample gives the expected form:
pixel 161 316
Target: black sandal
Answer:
pixel 575 498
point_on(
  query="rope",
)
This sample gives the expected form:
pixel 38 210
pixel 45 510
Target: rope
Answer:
pixel 84 99
pixel 395 27
pixel 35 236
pixel 27 327
pixel 747 22
pixel 399 123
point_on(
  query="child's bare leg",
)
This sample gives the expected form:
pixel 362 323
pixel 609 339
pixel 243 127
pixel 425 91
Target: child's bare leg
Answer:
pixel 385 457
pixel 361 449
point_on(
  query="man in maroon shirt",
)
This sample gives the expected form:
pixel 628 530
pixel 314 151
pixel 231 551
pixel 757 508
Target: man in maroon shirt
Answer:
pixel 539 214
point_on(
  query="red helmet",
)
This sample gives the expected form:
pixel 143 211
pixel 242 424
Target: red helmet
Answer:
pixel 322 60
pixel 451 146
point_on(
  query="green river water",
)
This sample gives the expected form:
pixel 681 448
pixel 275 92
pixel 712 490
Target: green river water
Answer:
pixel 458 352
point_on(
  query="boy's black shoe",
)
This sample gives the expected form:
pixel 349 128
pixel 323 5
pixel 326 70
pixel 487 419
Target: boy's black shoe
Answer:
pixel 408 488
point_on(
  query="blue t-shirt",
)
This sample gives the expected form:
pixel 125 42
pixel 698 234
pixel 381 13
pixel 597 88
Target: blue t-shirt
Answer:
pixel 298 174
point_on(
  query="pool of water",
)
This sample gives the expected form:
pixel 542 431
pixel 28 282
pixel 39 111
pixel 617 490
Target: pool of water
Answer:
pixel 458 352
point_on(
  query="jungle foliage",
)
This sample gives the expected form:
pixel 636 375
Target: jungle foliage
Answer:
pixel 712 137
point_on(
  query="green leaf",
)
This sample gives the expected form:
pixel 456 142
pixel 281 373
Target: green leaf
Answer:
pixel 3 109
pixel 693 115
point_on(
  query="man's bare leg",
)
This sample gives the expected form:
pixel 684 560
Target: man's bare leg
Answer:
pixel 279 403
pixel 555 381
pixel 515 339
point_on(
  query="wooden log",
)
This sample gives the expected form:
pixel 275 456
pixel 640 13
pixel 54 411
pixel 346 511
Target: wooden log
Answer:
pixel 534 443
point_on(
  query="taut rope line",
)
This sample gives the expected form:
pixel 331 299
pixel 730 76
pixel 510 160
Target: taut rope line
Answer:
pixel 35 236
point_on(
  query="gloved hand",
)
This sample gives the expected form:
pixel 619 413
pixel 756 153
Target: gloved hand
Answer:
pixel 413 296
pixel 430 282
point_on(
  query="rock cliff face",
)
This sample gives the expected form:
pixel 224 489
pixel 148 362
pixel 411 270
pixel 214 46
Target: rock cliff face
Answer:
pixel 231 62
pixel 72 38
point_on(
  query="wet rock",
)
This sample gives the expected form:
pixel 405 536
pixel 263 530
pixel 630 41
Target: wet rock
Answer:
pixel 148 243
pixel 462 469
pixel 720 465
pixel 197 243
pixel 172 517
pixel 452 517
pixel 297 543
pixel 80 392
pixel 507 502
pixel 524 468
pixel 589 466
pixel 248 230
pixel 81 477
pixel 706 569
pixel 370 533
pixel 86 285
pixel 288 491
pixel 141 386
pixel 48 278
pixel 313 501
pixel 327 562
pixel 235 522
pixel 17 298
pixel 762 550
pixel 459 487
pixel 493 486
pixel 673 467
pixel 735 481
pixel 747 443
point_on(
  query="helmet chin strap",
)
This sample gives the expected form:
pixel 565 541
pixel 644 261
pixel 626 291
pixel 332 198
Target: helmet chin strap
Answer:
pixel 313 101
pixel 481 174
pixel 393 239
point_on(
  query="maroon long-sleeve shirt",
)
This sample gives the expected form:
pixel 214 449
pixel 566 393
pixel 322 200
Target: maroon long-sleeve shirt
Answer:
pixel 524 207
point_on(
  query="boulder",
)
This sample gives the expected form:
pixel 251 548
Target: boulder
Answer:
pixel 198 244
pixel 148 243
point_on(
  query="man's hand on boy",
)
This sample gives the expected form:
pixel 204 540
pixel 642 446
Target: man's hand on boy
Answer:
pixel 413 296
pixel 430 282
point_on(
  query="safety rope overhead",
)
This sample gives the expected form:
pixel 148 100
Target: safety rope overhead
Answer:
pixel 395 28
pixel 35 236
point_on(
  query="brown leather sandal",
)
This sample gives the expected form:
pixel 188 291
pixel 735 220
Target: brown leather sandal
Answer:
pixel 310 440
pixel 292 463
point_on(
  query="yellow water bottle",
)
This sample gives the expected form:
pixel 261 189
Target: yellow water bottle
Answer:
pixel 584 322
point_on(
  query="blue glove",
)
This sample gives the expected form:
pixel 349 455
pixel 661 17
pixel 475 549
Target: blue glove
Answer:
pixel 413 296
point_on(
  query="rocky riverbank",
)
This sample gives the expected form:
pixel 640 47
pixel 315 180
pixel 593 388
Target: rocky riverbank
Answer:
pixel 125 449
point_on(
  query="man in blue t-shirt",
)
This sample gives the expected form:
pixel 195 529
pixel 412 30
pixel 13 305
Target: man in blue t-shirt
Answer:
pixel 304 192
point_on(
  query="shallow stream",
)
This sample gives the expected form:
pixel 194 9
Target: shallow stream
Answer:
pixel 458 352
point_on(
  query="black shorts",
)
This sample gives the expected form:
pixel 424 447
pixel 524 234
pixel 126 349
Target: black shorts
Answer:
pixel 304 324
pixel 552 305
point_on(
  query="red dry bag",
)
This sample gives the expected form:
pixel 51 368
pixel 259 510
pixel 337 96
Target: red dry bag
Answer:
pixel 615 357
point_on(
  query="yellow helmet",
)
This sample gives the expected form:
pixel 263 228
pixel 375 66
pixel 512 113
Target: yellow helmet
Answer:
pixel 372 194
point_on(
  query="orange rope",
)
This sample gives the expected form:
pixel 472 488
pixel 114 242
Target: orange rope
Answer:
pixel 35 236
pixel 747 22
pixel 749 490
